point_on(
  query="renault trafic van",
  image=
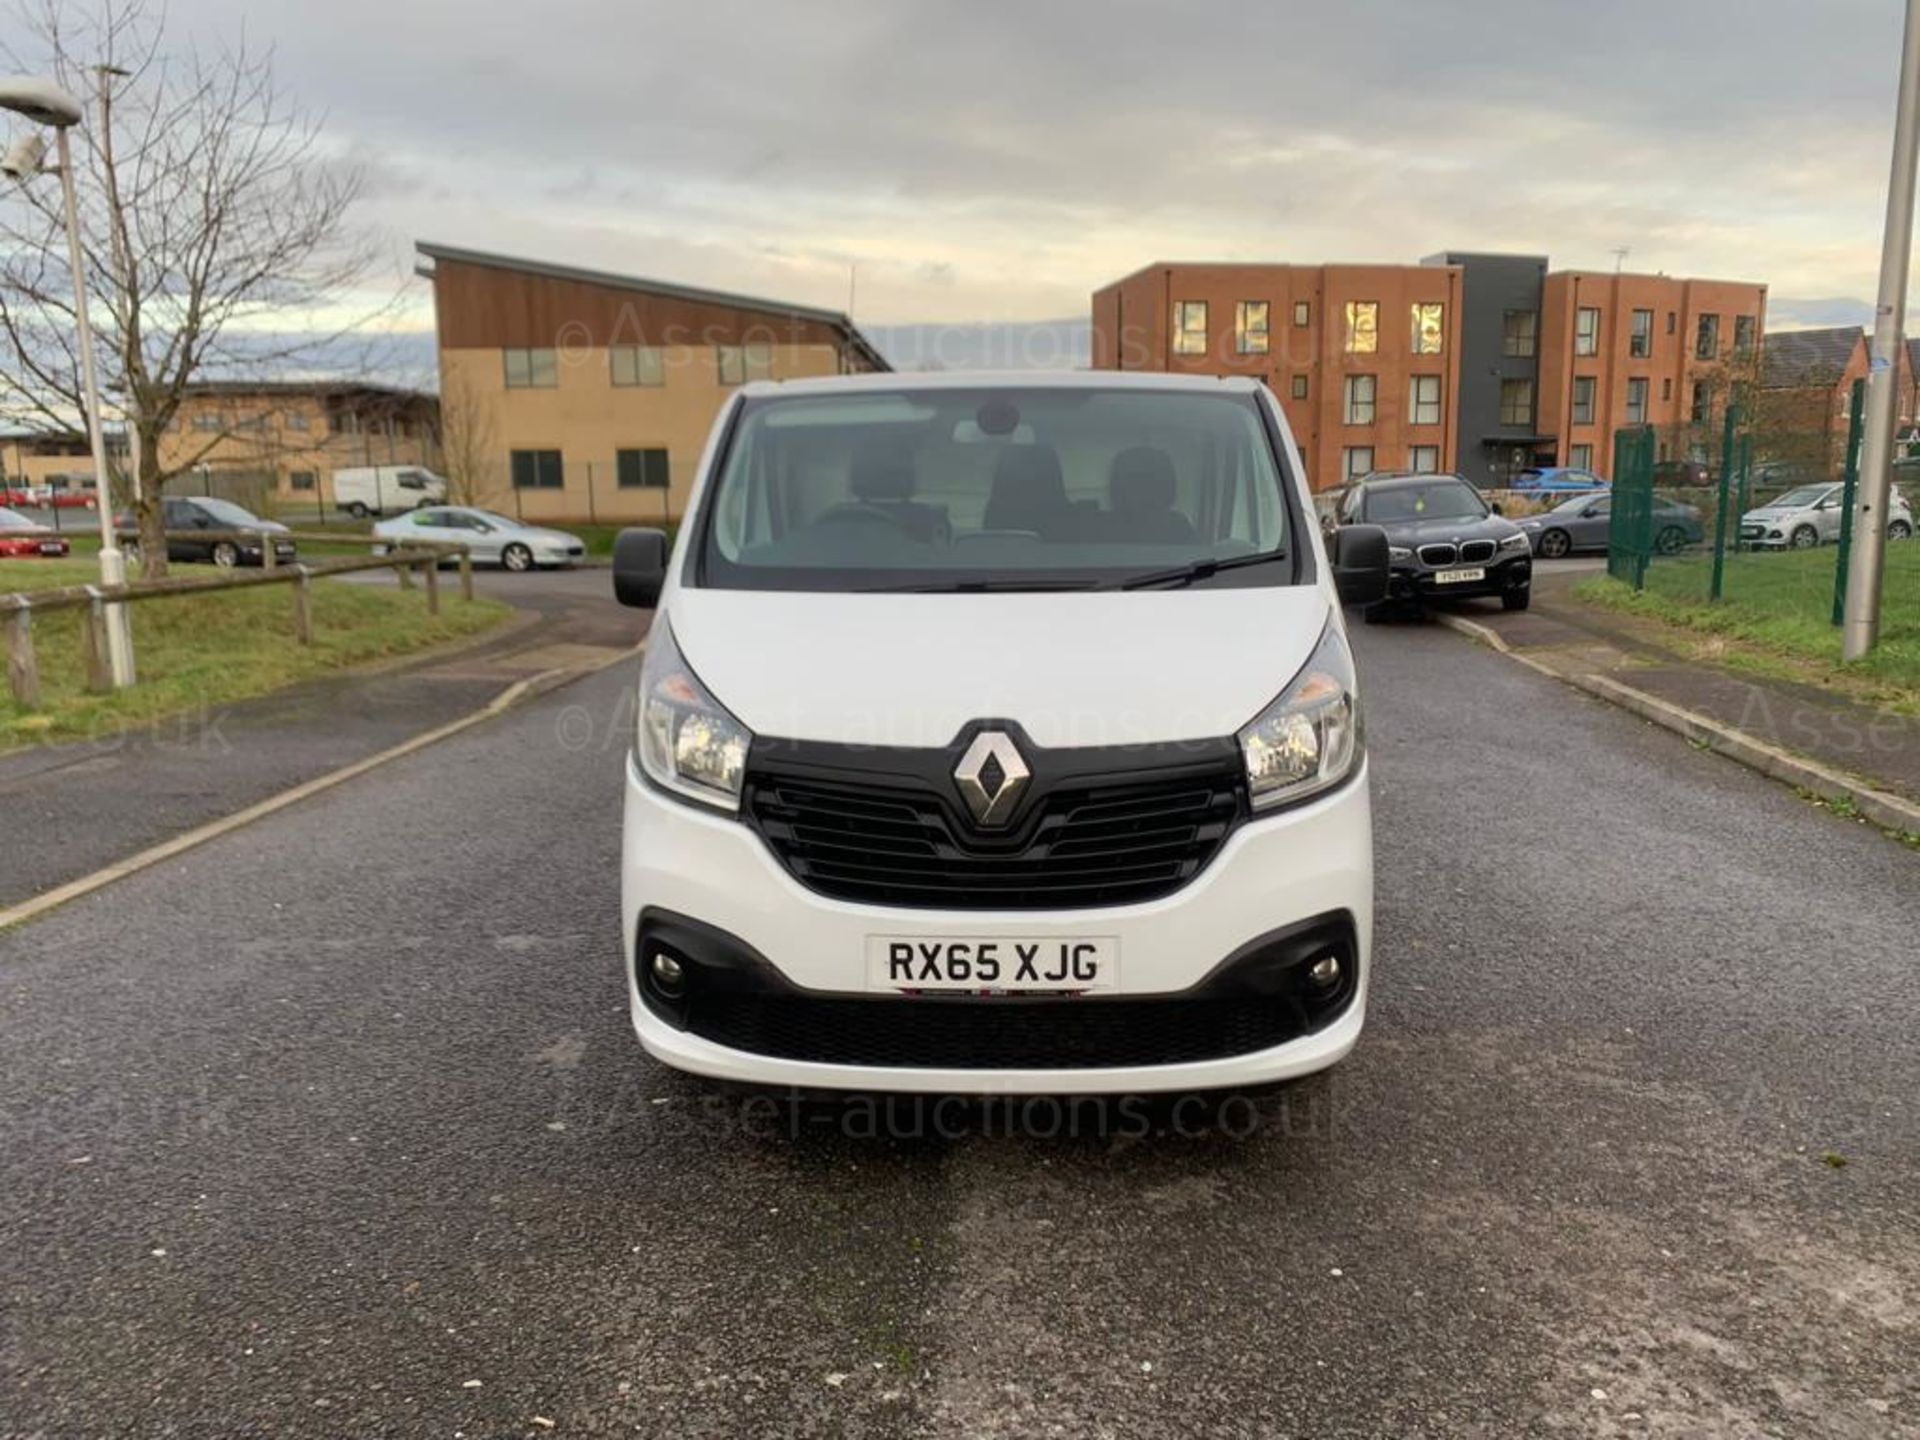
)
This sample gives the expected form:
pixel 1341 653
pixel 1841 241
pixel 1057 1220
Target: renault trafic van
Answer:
pixel 999 734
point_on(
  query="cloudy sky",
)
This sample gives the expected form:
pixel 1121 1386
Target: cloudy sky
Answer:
pixel 990 161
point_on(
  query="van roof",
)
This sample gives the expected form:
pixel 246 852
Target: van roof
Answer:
pixel 1021 379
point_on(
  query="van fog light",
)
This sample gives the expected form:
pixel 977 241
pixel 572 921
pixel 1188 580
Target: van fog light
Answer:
pixel 667 973
pixel 1324 973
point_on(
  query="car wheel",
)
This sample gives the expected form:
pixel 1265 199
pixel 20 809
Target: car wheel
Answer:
pixel 357 510
pixel 226 554
pixel 1805 538
pixel 1899 530
pixel 1555 544
pixel 1670 541
pixel 1517 599
pixel 517 557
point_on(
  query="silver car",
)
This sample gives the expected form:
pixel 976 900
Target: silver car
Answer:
pixel 494 538
pixel 1810 515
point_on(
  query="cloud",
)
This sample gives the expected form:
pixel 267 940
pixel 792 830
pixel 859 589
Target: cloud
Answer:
pixel 998 162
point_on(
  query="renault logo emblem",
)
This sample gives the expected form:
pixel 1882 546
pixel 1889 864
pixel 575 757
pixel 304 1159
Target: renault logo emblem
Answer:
pixel 991 777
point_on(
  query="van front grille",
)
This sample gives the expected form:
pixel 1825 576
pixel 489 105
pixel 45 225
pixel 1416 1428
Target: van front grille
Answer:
pixel 897 839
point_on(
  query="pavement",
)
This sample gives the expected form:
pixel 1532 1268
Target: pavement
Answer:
pixel 84 805
pixel 335 1126
pixel 1879 746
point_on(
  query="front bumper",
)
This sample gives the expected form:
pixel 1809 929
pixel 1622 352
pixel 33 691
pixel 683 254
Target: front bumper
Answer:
pixel 1274 872
pixel 1413 581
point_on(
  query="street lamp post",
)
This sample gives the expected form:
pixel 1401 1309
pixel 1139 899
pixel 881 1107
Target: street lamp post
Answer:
pixel 46 103
pixel 1866 565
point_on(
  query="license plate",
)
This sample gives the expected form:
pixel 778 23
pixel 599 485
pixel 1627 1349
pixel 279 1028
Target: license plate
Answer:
pixel 1017 965
pixel 52 547
pixel 1458 577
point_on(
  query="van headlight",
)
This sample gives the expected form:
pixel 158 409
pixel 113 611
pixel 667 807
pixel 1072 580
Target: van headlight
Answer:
pixel 688 743
pixel 1309 739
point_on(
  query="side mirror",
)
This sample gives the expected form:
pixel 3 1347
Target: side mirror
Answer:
pixel 639 567
pixel 1495 507
pixel 1360 564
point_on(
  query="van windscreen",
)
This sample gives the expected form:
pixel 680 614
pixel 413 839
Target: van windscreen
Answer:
pixel 1002 488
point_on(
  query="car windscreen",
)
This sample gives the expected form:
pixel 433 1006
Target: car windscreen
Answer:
pixel 14 520
pixel 1801 497
pixel 1002 487
pixel 227 513
pixel 1425 500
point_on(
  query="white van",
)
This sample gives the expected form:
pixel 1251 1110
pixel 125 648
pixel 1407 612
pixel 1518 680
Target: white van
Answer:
pixel 364 490
pixel 999 734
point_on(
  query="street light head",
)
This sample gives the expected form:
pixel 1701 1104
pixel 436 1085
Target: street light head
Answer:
pixel 41 101
pixel 23 157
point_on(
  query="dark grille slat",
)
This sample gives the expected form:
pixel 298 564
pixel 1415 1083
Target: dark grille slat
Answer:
pixel 974 1035
pixel 1474 551
pixel 1097 840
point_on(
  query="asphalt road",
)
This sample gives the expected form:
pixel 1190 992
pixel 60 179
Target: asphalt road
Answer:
pixel 335 1127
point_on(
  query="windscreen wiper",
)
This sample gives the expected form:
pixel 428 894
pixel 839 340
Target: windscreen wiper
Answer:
pixel 977 587
pixel 1198 570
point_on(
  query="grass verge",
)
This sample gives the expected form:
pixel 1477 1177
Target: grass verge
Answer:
pixel 1776 617
pixel 206 650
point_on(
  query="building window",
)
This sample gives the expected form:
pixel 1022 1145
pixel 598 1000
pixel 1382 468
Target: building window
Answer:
pixel 733 364
pixel 535 469
pixel 759 361
pixel 1424 459
pixel 295 419
pixel 1302 314
pixel 1586 331
pixel 1517 332
pixel 206 420
pixel 1429 325
pixel 1706 345
pixel 531 369
pixel 1583 388
pixel 1743 328
pixel 1641 346
pixel 1423 404
pixel 1637 400
pixel 1357 394
pixel 303 480
pixel 1355 461
pixel 641 469
pixel 1250 327
pixel 637 365
pixel 1702 402
pixel 1516 402
pixel 1363 327
pixel 1299 387
pixel 1666 388
pixel 1673 322
pixel 1580 457
pixel 1189 327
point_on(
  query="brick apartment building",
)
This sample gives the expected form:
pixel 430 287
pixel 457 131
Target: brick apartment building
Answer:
pixel 581 395
pixel 1483 364
pixel 1365 359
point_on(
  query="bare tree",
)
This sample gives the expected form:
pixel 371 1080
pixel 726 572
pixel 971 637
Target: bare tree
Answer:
pixel 467 450
pixel 211 222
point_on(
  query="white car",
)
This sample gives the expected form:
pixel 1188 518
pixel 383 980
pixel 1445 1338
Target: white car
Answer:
pixel 493 539
pixel 1810 515
pixel 999 735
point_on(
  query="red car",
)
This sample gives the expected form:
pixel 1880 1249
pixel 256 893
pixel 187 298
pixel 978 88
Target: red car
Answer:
pixel 21 538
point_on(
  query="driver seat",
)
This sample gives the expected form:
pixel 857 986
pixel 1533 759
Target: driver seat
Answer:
pixel 881 477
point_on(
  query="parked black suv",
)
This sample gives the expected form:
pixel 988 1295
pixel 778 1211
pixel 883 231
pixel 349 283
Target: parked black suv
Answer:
pixel 1446 541
pixel 187 518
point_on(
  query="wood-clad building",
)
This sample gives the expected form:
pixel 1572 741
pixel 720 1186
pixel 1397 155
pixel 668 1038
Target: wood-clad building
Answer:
pixel 571 394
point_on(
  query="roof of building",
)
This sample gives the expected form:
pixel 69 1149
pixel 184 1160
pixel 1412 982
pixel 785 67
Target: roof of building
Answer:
pixel 307 387
pixel 835 318
pixel 1803 357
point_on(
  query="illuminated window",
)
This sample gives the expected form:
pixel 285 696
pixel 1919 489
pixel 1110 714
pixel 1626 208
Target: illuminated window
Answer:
pixel 1250 327
pixel 1189 327
pixel 1363 327
pixel 1429 325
